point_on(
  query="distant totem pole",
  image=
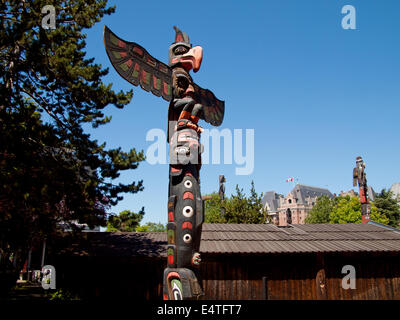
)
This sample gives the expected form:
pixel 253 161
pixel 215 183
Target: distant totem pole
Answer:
pixel 188 104
pixel 221 192
pixel 360 176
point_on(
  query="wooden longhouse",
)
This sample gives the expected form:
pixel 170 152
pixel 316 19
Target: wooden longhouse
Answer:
pixel 239 261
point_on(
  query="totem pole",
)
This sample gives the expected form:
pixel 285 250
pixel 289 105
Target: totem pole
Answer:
pixel 188 104
pixel 360 176
pixel 221 192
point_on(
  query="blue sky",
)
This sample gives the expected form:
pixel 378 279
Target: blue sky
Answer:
pixel 315 94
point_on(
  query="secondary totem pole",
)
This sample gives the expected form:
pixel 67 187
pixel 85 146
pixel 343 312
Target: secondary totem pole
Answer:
pixel 188 104
pixel 360 176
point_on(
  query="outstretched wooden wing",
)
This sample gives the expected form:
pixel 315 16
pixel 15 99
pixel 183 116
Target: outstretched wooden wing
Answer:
pixel 213 108
pixel 137 66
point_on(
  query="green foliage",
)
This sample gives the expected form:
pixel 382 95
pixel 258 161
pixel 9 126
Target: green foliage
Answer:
pixel 126 221
pixel 212 209
pixel 388 206
pixel 50 169
pixel 341 210
pixel 347 210
pixel 321 211
pixel 238 208
pixel 62 295
pixel 152 227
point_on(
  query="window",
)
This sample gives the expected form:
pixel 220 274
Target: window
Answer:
pixel 289 216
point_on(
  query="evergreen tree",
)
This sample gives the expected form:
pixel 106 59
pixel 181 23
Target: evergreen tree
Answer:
pixel 125 221
pixel 152 227
pixel 238 208
pixel 50 169
pixel 386 204
pixel 213 209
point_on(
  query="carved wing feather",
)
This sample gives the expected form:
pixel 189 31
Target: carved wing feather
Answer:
pixel 213 108
pixel 137 66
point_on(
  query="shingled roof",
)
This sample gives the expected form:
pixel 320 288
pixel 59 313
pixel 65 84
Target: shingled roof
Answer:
pixel 267 238
pixel 246 239
pixel 301 192
pixel 272 198
pixel 112 244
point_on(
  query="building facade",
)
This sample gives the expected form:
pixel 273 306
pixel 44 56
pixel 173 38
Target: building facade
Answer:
pixel 293 208
pixel 395 189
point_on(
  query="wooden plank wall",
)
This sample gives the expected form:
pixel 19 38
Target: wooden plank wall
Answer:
pixel 231 277
pixel 111 278
pixel 298 277
pixel 377 277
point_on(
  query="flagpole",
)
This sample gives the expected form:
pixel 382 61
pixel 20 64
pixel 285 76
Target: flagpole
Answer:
pixel 292 180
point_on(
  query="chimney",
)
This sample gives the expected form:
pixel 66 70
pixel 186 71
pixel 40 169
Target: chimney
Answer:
pixel 282 219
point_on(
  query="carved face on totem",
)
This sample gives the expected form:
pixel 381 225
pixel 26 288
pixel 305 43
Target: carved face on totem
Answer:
pixel 182 58
pixel 171 81
pixel 360 163
pixel 181 53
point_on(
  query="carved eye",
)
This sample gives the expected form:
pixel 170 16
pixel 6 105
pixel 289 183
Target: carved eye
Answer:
pixel 188 184
pixel 180 50
pixel 187 238
pixel 183 82
pixel 187 211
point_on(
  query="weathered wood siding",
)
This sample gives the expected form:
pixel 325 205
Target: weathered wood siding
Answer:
pixel 111 278
pixel 298 277
pixel 231 277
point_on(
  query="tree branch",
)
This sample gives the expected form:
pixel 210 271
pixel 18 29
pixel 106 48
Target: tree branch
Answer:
pixel 51 114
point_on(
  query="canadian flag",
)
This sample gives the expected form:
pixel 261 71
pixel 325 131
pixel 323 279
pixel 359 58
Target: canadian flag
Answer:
pixel 290 179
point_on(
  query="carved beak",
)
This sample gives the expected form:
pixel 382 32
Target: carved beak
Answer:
pixel 192 59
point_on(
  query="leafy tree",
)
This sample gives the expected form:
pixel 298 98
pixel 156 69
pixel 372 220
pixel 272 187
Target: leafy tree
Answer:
pixel 341 210
pixel 348 210
pixel 213 209
pixel 321 211
pixel 50 169
pixel 238 208
pixel 388 206
pixel 125 221
pixel 152 227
